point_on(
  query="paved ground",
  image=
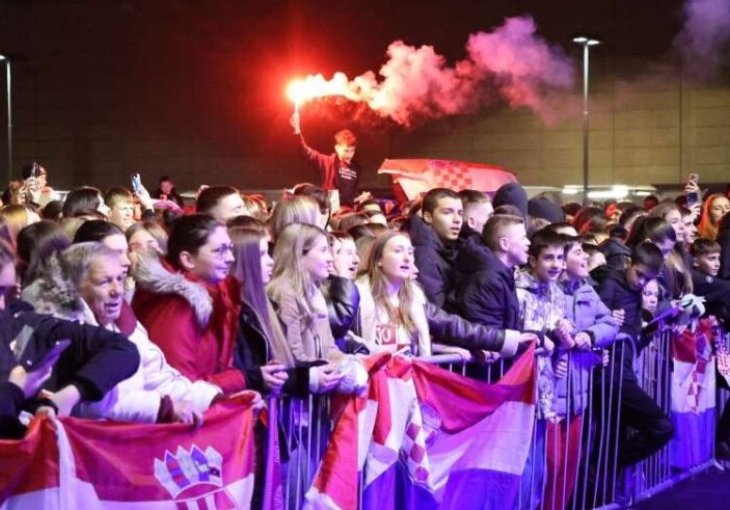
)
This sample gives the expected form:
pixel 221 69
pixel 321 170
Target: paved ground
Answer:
pixel 707 491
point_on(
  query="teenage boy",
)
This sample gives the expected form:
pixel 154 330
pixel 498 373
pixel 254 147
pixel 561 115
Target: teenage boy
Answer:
pixel 716 292
pixel 619 389
pixel 434 236
pixel 485 286
pixel 477 210
pixel 339 170
pixel 542 309
pixel 593 327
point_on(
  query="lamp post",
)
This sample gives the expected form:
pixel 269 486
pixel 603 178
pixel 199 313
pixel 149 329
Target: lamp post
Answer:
pixel 586 42
pixel 10 117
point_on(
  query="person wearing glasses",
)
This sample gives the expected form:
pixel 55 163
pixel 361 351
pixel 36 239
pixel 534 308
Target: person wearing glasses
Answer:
pixel 189 303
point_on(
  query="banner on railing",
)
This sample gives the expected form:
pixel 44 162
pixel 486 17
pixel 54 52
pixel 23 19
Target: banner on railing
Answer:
pixel 422 436
pixel 94 464
pixel 693 396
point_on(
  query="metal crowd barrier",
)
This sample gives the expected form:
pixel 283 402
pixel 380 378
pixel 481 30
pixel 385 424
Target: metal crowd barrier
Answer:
pixel 574 456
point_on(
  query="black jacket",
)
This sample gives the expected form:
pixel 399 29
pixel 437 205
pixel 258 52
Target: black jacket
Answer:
pixel 95 362
pixel 723 238
pixel 343 301
pixel 616 294
pixel 450 329
pixel 716 292
pixel 485 288
pixel 252 351
pixel 435 261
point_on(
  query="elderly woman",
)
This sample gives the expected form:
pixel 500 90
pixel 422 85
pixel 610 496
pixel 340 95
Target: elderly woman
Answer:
pixel 89 285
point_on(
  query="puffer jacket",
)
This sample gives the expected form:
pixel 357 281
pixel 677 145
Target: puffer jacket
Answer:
pixel 485 288
pixel 434 260
pixel 587 313
pixel 541 306
pixel 193 322
pixel 723 238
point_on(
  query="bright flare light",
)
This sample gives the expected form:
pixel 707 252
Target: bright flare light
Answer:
pixel 300 91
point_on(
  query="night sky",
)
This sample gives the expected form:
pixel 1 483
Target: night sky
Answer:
pixel 218 68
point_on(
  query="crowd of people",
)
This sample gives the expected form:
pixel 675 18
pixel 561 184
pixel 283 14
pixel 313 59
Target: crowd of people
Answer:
pixel 132 306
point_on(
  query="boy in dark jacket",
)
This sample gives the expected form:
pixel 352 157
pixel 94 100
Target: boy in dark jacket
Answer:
pixel 434 236
pixel 485 289
pixel 705 281
pixel 716 292
pixel 622 290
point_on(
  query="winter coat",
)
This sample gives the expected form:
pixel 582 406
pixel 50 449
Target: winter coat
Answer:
pixel 193 322
pixel 616 294
pixel 587 313
pixel 542 305
pixel 95 362
pixel 716 292
pixel 138 398
pixel 434 260
pixel 309 340
pixel 252 352
pixel 723 239
pixel 485 288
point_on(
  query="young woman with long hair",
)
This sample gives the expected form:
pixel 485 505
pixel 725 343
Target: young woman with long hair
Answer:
pixel 715 207
pixel 395 315
pixel 262 351
pixel 302 263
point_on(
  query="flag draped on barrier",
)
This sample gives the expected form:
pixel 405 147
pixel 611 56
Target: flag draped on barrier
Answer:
pixel 94 464
pixel 424 437
pixel 693 396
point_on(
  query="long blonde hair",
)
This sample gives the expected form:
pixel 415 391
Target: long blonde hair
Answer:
pixel 289 276
pixel 294 209
pixel 372 269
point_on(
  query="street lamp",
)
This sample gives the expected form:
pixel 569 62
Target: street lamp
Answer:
pixel 586 42
pixel 10 118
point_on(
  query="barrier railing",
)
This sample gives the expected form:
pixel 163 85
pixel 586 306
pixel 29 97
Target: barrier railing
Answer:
pixel 574 461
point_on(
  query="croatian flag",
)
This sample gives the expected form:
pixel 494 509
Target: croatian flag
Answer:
pixel 95 464
pixel 693 396
pixel 423 437
pixel 416 176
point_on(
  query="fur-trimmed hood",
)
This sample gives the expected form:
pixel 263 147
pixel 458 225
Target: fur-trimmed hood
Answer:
pixel 155 275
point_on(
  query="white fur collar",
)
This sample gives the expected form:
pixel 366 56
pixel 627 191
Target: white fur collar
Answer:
pixel 152 276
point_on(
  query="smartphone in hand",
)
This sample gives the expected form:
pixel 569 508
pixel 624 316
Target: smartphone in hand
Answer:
pixel 693 197
pixel 136 183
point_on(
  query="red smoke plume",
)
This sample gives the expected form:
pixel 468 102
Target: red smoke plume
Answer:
pixel 511 63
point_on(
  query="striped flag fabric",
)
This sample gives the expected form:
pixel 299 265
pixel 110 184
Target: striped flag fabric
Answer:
pixel 415 176
pixel 115 466
pixel 423 437
pixel 693 396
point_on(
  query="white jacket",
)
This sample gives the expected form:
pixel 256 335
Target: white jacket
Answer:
pixel 137 399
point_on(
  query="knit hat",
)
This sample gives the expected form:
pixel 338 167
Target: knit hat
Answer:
pixel 543 207
pixel 511 193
